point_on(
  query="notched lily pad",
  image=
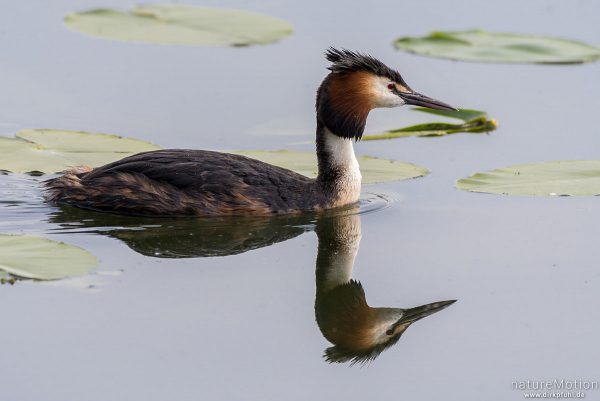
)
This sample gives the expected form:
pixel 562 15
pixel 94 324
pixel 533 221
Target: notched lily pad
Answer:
pixel 181 25
pixel 474 122
pixel 373 169
pixel 38 258
pixel 50 151
pixel 564 178
pixel 479 45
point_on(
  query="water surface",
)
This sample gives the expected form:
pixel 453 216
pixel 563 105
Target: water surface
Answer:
pixel 163 318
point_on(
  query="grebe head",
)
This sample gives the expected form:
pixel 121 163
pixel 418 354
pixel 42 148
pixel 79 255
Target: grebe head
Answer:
pixel 360 333
pixel 357 84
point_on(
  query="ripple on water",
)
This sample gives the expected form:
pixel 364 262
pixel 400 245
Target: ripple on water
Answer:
pixel 22 206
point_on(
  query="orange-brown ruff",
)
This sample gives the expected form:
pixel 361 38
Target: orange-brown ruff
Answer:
pixel 204 183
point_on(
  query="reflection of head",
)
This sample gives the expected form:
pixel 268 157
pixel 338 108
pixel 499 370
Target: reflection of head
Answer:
pixel 359 332
pixel 346 320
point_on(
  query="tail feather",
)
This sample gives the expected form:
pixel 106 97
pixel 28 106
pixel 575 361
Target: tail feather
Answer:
pixel 122 192
pixel 60 189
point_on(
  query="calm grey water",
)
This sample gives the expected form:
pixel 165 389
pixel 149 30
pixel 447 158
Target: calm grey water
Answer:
pixel 242 327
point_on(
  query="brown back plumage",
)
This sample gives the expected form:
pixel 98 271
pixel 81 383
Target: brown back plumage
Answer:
pixel 186 182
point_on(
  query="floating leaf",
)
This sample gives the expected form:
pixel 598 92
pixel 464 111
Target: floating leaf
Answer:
pixel 579 177
pixel 461 114
pixel 478 45
pixel 181 25
pixel 373 169
pixel 51 151
pixel 475 121
pixel 42 259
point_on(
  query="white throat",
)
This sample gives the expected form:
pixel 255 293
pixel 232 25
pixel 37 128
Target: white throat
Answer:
pixel 339 271
pixel 342 158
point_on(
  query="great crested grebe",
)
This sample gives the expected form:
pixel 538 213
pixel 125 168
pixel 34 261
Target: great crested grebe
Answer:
pixel 206 183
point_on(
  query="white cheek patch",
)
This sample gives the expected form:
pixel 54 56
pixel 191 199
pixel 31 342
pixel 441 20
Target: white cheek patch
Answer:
pixel 384 97
pixel 386 317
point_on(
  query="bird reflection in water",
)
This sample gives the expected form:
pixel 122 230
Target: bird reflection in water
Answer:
pixel 192 237
pixel 185 237
pixel 358 331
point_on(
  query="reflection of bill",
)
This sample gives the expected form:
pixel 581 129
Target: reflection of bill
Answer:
pixel 359 332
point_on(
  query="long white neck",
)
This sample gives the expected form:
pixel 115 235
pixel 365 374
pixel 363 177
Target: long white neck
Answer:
pixel 337 160
pixel 338 246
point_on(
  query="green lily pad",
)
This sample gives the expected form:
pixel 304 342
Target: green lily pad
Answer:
pixel 461 114
pixel 494 47
pixel 42 259
pixel 181 25
pixel 474 122
pixel 373 169
pixel 564 178
pixel 51 151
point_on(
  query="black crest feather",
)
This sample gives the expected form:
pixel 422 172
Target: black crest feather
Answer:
pixel 345 61
pixel 347 122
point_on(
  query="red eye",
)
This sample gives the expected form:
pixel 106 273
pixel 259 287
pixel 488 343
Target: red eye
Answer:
pixel 391 86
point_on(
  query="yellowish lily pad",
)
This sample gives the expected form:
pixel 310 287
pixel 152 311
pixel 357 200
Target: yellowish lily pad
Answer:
pixel 50 151
pixel 474 122
pixel 181 25
pixel 565 178
pixel 479 45
pixel 373 169
pixel 42 259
